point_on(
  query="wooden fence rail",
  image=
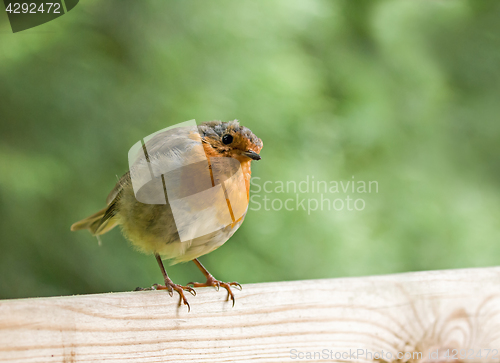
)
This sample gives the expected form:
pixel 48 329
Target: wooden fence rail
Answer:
pixel 390 318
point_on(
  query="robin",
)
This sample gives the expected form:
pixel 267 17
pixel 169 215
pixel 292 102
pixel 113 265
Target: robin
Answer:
pixel 185 194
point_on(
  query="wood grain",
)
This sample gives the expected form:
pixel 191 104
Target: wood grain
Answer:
pixel 271 322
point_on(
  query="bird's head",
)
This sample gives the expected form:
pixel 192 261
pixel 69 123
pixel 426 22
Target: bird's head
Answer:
pixel 229 139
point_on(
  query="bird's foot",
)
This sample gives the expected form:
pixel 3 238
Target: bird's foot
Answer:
pixel 170 287
pixel 211 281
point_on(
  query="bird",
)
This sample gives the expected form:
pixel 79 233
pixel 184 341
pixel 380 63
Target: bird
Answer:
pixel 195 199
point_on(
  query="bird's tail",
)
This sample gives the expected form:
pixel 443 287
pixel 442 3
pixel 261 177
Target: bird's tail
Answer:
pixel 98 223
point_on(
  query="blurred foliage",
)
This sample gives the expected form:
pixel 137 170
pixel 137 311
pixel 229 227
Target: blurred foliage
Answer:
pixel 402 93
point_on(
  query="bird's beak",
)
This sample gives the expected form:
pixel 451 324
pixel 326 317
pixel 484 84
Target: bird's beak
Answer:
pixel 252 155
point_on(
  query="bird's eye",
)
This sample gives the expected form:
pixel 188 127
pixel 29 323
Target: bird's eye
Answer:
pixel 227 139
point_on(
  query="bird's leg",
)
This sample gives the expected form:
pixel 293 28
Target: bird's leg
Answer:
pixel 170 286
pixel 211 281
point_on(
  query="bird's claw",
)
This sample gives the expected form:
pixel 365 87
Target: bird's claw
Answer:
pixel 170 287
pixel 235 284
pixel 211 281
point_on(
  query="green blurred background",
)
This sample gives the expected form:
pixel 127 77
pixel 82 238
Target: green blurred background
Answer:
pixel 399 92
